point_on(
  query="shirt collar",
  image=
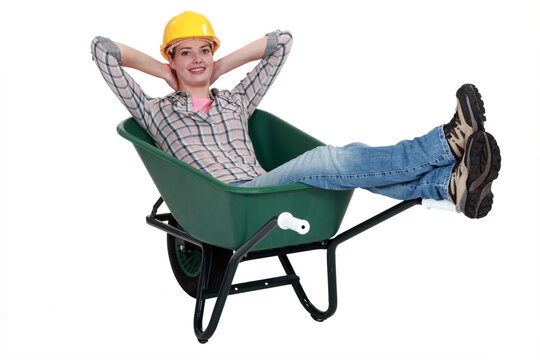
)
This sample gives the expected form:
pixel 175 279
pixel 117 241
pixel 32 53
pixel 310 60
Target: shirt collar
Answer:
pixel 213 93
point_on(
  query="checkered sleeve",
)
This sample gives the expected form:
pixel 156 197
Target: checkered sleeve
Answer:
pixel 107 57
pixel 254 86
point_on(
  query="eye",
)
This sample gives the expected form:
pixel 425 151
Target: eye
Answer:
pixel 205 51
pixel 185 53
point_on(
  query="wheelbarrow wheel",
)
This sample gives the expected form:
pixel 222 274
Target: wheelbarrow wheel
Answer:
pixel 186 263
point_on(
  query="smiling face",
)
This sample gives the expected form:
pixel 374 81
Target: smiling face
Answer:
pixel 193 62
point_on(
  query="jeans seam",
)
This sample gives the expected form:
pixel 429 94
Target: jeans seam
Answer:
pixel 446 147
pixel 446 185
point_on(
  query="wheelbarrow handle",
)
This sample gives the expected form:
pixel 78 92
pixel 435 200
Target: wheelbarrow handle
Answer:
pixel 288 222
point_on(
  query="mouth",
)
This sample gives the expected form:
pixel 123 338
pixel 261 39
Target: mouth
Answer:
pixel 197 70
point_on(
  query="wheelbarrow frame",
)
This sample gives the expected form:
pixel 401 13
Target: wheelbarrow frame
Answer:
pixel 246 252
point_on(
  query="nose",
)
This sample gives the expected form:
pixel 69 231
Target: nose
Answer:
pixel 197 59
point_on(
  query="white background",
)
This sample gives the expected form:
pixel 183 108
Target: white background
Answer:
pixel 83 277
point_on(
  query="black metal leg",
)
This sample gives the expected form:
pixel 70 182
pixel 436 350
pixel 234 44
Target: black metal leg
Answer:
pixel 224 289
pixel 332 245
pixel 332 287
pixel 203 279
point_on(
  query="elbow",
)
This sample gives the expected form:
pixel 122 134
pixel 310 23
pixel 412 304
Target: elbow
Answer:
pixel 107 46
pixel 287 34
pixel 277 39
pixel 96 45
pixel 285 40
pixel 93 47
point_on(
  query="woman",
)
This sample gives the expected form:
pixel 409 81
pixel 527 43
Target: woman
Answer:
pixel 208 128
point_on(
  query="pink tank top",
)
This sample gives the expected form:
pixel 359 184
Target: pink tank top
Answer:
pixel 202 104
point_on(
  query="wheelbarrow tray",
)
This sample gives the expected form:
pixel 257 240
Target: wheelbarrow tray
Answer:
pixel 226 216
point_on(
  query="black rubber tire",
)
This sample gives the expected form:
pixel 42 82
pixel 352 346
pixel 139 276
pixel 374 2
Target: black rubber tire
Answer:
pixel 218 264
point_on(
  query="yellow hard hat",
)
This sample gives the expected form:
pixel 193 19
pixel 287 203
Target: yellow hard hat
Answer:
pixel 188 25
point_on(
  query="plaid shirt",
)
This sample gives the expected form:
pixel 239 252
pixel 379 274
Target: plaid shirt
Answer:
pixel 217 143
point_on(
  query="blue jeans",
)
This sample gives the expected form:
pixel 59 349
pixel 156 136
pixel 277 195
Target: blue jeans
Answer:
pixel 418 168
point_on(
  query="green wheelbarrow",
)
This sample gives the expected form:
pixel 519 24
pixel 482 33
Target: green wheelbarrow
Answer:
pixel 212 227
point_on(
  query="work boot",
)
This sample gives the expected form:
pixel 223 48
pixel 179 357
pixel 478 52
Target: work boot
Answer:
pixel 469 117
pixel 470 184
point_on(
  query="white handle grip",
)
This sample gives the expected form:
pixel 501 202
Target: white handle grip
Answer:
pixel 439 204
pixel 288 222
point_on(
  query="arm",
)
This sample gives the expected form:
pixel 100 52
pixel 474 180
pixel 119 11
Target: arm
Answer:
pixel 109 57
pixel 135 59
pixel 251 52
pixel 254 86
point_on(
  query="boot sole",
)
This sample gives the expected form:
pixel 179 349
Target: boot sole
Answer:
pixel 483 162
pixel 472 106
